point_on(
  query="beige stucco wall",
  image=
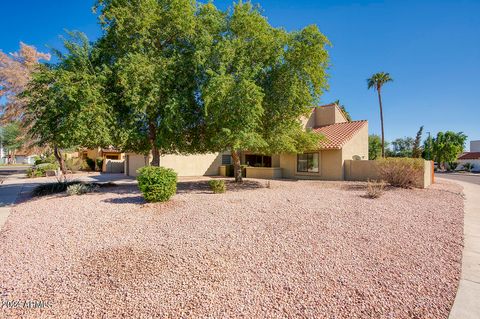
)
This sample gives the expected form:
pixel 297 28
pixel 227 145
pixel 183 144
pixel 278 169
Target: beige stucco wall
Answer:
pixel 327 115
pixel 361 170
pixel 368 170
pixel 330 166
pixel 184 165
pixel 264 172
pixel 193 165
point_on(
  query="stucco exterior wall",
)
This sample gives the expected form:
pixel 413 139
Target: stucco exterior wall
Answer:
pixel 357 146
pixel 184 165
pixel 264 172
pixel 330 166
pixel 361 170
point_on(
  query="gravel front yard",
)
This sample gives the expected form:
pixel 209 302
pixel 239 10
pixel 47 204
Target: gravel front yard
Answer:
pixel 296 249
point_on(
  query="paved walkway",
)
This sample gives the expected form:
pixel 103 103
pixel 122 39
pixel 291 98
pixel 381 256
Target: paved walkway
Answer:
pixel 10 189
pixel 467 301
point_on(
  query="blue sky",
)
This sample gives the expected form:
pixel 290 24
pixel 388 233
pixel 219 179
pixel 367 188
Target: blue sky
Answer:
pixel 430 48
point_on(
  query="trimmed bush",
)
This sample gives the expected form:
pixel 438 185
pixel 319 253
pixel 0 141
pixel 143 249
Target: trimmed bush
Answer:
pixel 80 189
pixel 217 186
pixel 375 189
pixel 402 171
pixel 157 184
pixel 91 163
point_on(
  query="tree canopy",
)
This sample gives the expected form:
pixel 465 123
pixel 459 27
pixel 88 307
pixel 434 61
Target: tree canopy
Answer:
pixel 66 102
pixel 445 147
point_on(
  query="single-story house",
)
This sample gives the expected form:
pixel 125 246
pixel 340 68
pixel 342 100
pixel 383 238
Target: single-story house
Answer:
pixel 344 140
pixel 470 157
pixel 113 159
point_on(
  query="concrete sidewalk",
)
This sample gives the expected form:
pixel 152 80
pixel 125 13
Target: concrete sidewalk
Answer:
pixel 10 189
pixel 467 301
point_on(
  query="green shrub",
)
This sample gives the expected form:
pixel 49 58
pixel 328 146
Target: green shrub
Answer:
pixel 157 184
pixel 91 163
pixel 452 166
pixel 99 161
pixel 47 159
pixel 74 164
pixel 468 167
pixel 217 186
pixel 79 189
pixel 402 171
pixel 41 169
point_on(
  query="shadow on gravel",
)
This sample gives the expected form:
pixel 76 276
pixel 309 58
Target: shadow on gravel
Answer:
pixel 126 200
pixel 202 187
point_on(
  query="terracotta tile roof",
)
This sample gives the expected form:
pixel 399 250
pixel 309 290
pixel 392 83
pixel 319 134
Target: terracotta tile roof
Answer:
pixel 337 135
pixel 470 156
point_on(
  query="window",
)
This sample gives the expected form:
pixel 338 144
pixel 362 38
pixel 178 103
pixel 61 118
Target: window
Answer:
pixel 307 162
pixel 226 159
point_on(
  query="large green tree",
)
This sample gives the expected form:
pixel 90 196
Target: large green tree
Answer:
pixel 377 81
pixel 257 82
pixel 148 48
pixel 445 147
pixel 374 147
pixel 11 136
pixel 66 105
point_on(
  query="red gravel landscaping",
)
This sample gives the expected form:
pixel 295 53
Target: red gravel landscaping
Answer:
pixel 296 249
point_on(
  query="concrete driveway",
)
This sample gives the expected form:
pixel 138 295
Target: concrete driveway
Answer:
pixel 466 303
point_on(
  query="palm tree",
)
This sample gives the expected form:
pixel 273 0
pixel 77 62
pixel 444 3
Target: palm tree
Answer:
pixel 376 82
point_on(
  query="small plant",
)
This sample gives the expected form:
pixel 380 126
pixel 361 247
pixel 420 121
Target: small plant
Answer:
pixel 468 167
pixel 452 166
pixel 375 189
pixel 99 161
pixel 401 171
pixel 80 189
pixel 217 186
pixel 91 163
pixel 157 184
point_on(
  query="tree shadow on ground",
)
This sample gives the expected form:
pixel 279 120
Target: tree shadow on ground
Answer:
pixel 202 187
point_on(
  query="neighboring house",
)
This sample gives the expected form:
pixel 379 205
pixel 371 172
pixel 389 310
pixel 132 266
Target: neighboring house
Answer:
pixel 3 155
pixel 24 158
pixel 472 157
pixel 113 159
pixel 343 141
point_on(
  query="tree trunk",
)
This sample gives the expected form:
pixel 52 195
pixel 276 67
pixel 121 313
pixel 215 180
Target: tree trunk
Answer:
pixel 237 168
pixel 61 162
pixel 156 156
pixel 381 121
pixel 152 134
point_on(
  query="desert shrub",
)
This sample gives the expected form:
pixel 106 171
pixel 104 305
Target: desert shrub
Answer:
pixel 79 189
pixel 452 166
pixel 217 186
pixel 401 171
pixel 74 164
pixel 468 167
pixel 41 169
pixel 51 188
pixel 375 189
pixel 91 163
pixel 99 161
pixel 157 184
